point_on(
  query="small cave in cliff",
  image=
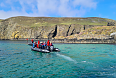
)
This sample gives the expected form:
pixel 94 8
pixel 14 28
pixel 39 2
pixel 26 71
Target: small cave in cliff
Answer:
pixel 17 37
pixel 55 32
pixel 73 32
pixel 68 30
pixel 84 27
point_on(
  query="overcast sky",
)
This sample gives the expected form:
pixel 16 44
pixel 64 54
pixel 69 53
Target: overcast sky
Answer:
pixel 58 8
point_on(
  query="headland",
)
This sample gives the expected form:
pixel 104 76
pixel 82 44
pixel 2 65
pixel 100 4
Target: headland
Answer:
pixel 59 30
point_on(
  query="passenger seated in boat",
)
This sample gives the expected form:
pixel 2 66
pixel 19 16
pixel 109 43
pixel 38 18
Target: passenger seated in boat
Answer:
pixel 34 44
pixel 51 47
pixel 51 44
pixel 37 45
pixel 40 46
pixel 44 45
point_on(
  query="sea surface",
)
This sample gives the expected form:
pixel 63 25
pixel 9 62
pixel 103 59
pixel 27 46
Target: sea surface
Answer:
pixel 73 61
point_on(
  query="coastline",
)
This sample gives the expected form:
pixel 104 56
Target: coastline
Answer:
pixel 74 41
pixel 85 41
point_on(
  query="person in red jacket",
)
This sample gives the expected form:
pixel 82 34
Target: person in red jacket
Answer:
pixel 38 44
pixel 27 40
pixel 32 40
pixel 51 44
pixel 48 44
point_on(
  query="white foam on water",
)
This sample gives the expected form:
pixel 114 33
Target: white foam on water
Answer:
pixel 67 58
pixel 83 61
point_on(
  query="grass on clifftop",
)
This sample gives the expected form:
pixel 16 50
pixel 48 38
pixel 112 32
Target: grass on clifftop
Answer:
pixel 0 20
pixel 51 21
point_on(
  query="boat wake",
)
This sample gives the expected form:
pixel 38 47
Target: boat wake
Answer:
pixel 67 58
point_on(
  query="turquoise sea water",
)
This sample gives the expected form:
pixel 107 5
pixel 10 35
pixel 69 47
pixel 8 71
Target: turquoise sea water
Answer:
pixel 74 61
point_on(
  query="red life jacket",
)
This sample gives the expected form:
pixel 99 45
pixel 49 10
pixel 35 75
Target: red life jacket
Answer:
pixel 50 44
pixel 37 45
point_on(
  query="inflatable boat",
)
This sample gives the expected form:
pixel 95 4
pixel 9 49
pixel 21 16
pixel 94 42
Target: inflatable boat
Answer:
pixel 30 44
pixel 45 50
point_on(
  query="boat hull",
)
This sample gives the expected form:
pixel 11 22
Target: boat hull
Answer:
pixel 40 50
pixel 45 50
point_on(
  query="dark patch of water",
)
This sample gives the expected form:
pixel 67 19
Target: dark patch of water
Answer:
pixel 68 47
pixel 93 48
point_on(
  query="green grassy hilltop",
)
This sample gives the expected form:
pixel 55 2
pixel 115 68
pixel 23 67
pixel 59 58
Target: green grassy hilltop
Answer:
pixel 51 21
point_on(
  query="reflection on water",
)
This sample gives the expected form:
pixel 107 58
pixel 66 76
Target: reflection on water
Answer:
pixel 38 54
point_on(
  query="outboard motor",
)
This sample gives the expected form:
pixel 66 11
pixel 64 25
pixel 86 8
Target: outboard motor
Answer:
pixel 51 48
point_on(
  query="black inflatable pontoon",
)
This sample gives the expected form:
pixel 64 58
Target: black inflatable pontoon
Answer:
pixel 45 50
pixel 40 50
pixel 30 44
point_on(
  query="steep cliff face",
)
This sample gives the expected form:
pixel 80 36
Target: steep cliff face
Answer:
pixel 15 31
pixel 47 27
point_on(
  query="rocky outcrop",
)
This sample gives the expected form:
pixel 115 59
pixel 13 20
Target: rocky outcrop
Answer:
pixel 111 24
pixel 113 35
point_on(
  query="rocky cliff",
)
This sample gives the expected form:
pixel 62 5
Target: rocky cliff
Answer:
pixel 50 27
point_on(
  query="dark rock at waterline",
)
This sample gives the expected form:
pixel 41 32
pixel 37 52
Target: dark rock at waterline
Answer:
pixel 85 41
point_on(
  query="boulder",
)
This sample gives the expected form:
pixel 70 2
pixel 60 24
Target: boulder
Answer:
pixel 111 24
pixel 113 35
